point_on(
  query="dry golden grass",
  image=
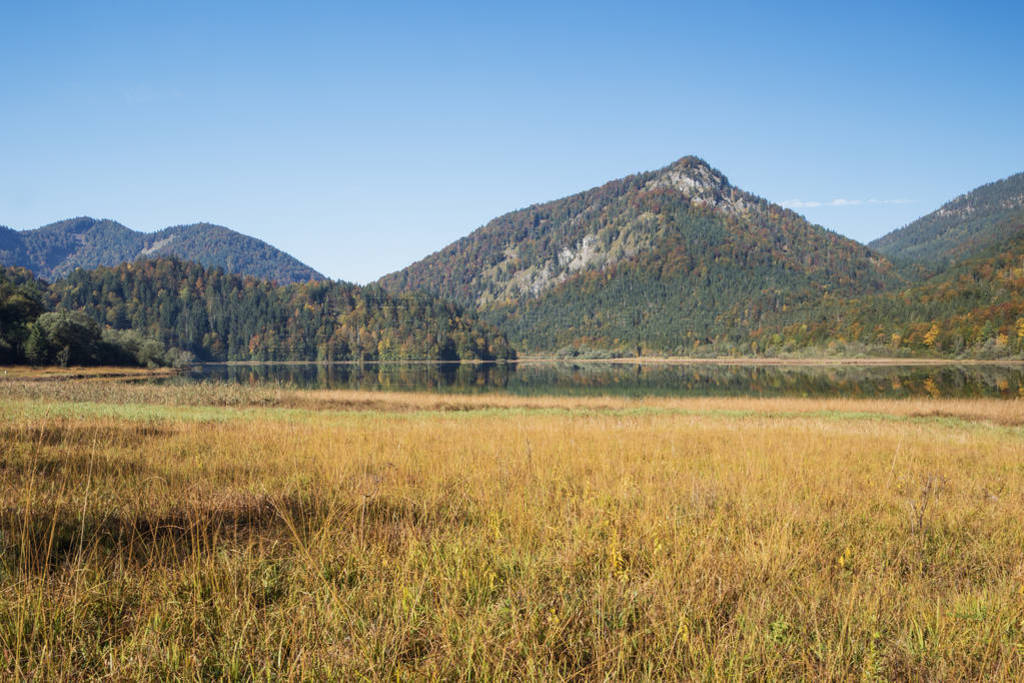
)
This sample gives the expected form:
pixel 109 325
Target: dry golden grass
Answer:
pixel 157 532
pixel 105 391
pixel 34 373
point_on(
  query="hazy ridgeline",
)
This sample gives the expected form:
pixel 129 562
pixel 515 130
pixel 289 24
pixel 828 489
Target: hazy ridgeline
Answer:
pixel 210 530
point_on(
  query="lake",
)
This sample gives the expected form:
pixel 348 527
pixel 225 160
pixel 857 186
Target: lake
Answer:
pixel 639 379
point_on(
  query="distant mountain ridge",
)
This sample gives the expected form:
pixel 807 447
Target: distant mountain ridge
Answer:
pixel 673 261
pixel 55 250
pixel 965 290
pixel 658 261
pixel 974 307
pixel 961 228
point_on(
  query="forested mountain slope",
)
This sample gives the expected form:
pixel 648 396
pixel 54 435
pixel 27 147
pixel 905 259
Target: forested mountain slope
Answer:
pixel 961 228
pixel 663 261
pixel 217 315
pixel 22 298
pixel 974 308
pixel 55 250
pixel 32 332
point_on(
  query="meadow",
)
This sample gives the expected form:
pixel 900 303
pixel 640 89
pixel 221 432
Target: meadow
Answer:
pixel 236 532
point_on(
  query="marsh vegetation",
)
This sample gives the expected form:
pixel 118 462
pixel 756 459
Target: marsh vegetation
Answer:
pixel 215 530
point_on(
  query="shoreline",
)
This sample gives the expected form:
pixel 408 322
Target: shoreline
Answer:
pixel 649 360
pixel 755 361
pixel 53 373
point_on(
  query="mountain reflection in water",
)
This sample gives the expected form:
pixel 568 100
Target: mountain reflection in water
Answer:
pixel 656 379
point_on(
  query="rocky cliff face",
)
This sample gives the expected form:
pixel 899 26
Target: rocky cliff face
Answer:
pixel 704 187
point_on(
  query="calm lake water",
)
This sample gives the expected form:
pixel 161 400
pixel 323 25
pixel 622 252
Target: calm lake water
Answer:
pixel 556 378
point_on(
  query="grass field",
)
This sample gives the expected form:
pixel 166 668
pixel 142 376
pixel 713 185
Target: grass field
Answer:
pixel 252 532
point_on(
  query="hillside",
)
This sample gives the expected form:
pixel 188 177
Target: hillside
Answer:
pixel 55 250
pixel 21 303
pixel 663 261
pixel 974 308
pixel 961 228
pixel 32 332
pixel 222 316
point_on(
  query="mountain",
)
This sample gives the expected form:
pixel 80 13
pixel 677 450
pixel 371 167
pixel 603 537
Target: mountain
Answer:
pixel 961 228
pixel 662 261
pixel 55 250
pixel 216 315
pixel 965 296
pixel 973 308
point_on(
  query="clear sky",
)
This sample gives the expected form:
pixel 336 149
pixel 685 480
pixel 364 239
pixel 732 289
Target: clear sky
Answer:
pixel 362 136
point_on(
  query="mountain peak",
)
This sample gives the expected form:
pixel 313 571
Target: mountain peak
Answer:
pixel 692 175
pixel 665 258
pixel 72 226
pixel 55 250
pixel 691 162
pixel 703 185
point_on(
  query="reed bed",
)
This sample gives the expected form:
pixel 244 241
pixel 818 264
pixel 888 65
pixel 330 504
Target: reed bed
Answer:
pixel 206 531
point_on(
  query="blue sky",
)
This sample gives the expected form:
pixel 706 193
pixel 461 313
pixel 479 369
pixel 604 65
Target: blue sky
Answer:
pixel 361 137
